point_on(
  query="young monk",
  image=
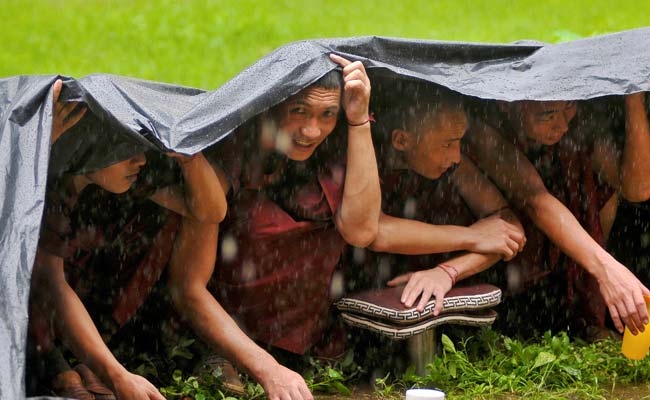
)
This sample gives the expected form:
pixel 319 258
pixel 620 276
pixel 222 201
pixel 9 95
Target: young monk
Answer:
pixel 291 211
pixel 135 245
pixel 432 196
pixel 549 161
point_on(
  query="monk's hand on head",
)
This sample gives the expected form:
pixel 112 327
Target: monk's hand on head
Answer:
pixel 424 284
pixel 356 90
pixel 623 293
pixel 65 115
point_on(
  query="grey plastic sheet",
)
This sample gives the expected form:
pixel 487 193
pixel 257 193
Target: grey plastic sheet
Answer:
pixel 129 115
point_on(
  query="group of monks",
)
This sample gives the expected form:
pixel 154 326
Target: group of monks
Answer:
pixel 249 233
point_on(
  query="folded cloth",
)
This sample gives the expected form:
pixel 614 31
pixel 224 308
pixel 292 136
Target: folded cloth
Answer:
pixel 385 304
pixel 400 331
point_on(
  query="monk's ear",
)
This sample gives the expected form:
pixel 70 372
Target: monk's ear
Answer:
pixel 401 139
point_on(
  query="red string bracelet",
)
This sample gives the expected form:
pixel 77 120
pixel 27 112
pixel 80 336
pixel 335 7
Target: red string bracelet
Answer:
pixel 371 118
pixel 451 271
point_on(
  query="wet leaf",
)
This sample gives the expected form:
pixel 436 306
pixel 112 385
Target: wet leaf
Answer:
pixel 342 388
pixel 447 344
pixel 543 358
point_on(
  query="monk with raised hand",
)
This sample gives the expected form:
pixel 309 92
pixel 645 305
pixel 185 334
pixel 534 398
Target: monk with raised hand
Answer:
pixel 293 204
pixel 361 194
pixel 86 229
pixel 432 196
pixel 547 159
pixel 66 115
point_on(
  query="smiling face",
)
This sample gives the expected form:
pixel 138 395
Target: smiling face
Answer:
pixel 118 177
pixel 304 121
pixel 434 147
pixel 544 122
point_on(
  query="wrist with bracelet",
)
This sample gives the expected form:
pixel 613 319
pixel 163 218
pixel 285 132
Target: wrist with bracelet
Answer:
pixel 371 118
pixel 451 271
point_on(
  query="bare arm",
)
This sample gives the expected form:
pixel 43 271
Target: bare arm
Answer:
pixel 492 235
pixel 201 198
pixel 519 180
pixel 191 267
pixel 635 168
pixel 77 330
pixel 358 216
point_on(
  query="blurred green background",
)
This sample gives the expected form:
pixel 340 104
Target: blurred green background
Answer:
pixel 204 43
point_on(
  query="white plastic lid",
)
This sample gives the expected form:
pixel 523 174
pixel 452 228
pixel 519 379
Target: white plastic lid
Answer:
pixel 424 394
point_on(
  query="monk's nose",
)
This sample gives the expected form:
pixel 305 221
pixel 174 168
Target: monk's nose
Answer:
pixel 310 130
pixel 455 155
pixel 562 124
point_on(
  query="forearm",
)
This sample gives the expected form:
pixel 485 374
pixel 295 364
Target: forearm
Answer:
pixel 635 167
pixel 358 215
pixel 405 236
pixel 216 328
pixel 564 230
pixel 76 329
pixel 70 317
pixel 204 198
pixel 471 264
pixel 190 269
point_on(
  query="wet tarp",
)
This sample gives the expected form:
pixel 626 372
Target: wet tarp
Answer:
pixel 130 115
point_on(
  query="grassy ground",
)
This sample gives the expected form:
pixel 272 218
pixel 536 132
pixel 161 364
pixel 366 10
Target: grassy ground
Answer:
pixel 476 365
pixel 203 43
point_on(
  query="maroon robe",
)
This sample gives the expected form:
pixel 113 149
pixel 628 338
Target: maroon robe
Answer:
pixel 279 246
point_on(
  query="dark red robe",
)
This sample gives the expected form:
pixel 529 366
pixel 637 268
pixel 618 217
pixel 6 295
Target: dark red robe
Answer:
pixel 279 246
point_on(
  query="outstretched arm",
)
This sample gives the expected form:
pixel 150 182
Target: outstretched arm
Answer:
pixel 201 198
pixel 191 267
pixel 519 180
pixel 77 330
pixel 357 217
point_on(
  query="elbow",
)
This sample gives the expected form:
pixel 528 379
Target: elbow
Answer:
pixel 381 243
pixel 359 236
pixel 182 297
pixel 209 216
pixel 535 204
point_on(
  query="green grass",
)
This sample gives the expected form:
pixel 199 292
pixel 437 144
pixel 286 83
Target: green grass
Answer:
pixel 481 365
pixel 204 43
pixel 554 367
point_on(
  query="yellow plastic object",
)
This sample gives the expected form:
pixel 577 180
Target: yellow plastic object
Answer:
pixel 636 347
